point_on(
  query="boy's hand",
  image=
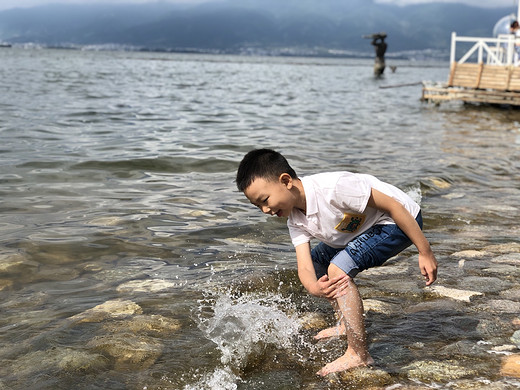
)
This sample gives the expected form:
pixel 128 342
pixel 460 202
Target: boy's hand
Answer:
pixel 428 267
pixel 332 288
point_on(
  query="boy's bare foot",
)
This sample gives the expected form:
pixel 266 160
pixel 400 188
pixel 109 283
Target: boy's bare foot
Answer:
pixel 346 362
pixel 335 331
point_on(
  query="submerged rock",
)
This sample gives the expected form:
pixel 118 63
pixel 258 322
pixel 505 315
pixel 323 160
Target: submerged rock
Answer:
pixel 511 366
pixel 365 377
pixel 5 284
pixel 110 309
pixel 148 324
pixel 377 306
pixel 144 286
pixel 128 351
pixel 15 263
pixel 313 321
pixel 433 371
pixel 58 359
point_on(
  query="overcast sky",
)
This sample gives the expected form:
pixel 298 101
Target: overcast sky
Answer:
pixel 6 4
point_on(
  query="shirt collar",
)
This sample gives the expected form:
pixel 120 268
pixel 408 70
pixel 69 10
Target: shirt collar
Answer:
pixel 311 203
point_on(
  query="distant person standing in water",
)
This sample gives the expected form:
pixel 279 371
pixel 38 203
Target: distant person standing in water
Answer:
pixel 378 41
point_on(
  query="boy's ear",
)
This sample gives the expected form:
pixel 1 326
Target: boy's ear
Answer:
pixel 286 180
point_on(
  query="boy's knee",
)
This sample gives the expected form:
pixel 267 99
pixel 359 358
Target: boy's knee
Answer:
pixel 334 271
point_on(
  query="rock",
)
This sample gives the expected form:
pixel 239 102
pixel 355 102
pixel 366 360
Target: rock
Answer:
pixel 495 327
pixel 511 366
pixel 74 361
pixel 106 221
pixel 501 306
pixel 399 286
pixel 502 269
pixel 153 325
pixel 508 247
pixel 464 348
pixel 128 351
pixel 433 371
pixel 387 269
pixel 438 305
pixel 5 284
pixel 15 263
pixel 513 293
pixel 459 295
pixel 484 284
pixel 110 309
pixel 515 338
pixel 63 359
pixel 469 254
pixel 377 306
pixel 440 183
pixel 145 286
pixel 366 377
pixel 313 321
pixel 509 258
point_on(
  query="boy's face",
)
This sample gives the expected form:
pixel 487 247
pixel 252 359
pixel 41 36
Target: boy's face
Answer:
pixel 273 197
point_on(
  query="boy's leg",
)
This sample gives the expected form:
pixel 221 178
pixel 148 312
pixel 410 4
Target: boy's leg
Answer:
pixel 350 309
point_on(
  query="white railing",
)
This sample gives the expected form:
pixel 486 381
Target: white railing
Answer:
pixel 493 51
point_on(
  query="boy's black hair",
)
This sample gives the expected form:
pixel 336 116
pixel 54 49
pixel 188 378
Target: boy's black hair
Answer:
pixel 262 163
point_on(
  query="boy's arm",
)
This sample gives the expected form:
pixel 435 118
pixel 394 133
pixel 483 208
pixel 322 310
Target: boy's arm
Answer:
pixel 406 222
pixel 323 287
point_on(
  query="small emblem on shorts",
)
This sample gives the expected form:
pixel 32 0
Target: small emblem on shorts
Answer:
pixel 350 223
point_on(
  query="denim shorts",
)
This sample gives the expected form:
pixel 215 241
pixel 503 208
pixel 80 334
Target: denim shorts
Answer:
pixel 370 249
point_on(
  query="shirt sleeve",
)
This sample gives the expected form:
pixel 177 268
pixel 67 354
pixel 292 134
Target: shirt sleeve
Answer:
pixel 298 235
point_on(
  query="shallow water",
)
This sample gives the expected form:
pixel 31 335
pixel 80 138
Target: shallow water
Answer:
pixel 117 186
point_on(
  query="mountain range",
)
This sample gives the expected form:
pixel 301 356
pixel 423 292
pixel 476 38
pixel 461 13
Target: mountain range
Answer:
pixel 333 27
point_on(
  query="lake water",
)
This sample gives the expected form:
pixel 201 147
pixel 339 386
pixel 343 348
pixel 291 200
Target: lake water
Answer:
pixel 117 189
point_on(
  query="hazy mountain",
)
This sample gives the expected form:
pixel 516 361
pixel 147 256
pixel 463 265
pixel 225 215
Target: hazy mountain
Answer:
pixel 230 26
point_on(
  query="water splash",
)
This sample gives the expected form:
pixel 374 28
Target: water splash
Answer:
pixel 242 328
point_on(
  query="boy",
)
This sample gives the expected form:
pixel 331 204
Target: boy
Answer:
pixel 360 221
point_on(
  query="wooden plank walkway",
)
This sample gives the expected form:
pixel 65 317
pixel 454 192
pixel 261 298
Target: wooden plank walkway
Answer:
pixel 478 83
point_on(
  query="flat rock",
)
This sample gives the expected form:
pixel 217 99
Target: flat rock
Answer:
pixel 110 309
pixel 146 286
pixel 459 295
pixel 470 254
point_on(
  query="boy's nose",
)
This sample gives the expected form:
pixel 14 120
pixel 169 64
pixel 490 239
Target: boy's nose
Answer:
pixel 266 209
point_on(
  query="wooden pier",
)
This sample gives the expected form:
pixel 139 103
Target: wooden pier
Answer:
pixel 492 77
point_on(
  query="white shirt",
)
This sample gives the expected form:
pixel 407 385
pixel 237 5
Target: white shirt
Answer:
pixel 336 208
